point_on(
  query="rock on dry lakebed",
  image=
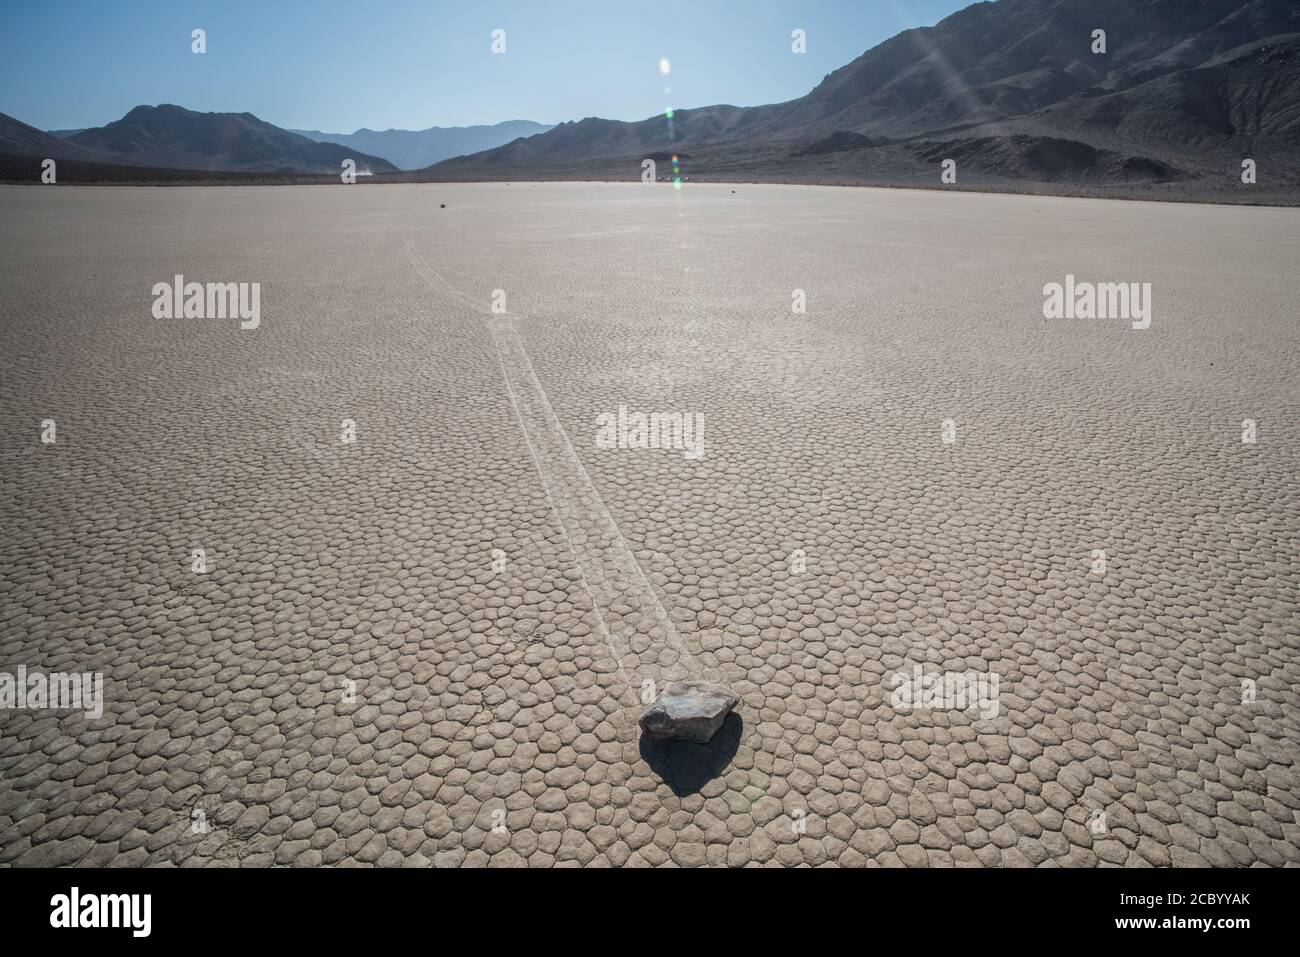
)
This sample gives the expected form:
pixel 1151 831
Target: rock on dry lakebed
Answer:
pixel 689 711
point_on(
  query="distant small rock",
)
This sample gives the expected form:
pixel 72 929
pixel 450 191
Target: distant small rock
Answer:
pixel 689 711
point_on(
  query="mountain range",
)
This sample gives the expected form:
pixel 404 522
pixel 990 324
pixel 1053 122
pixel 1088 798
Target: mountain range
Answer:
pixel 416 149
pixel 1012 91
pixel 1168 99
pixel 172 137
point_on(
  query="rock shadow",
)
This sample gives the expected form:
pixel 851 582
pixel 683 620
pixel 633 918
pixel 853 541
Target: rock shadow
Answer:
pixel 687 767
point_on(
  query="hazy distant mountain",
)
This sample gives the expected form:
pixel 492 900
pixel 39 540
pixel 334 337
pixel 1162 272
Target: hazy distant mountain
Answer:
pixel 19 139
pixel 415 149
pixel 176 138
pixel 66 133
pixel 1012 86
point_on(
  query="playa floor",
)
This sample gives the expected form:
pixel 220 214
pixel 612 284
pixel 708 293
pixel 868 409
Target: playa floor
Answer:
pixel 430 645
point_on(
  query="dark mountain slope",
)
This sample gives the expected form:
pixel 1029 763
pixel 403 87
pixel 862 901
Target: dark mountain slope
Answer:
pixel 19 139
pixel 1184 85
pixel 173 137
pixel 1247 94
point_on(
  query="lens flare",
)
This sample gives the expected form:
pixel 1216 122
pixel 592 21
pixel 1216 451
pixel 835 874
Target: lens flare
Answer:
pixel 665 68
pixel 672 135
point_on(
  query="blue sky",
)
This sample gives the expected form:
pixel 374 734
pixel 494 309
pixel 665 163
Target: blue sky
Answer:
pixel 410 64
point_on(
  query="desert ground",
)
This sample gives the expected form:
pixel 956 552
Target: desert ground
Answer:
pixel 430 645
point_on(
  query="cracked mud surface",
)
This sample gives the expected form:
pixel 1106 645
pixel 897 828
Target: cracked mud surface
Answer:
pixel 494 720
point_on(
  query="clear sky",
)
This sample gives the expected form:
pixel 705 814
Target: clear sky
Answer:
pixel 410 64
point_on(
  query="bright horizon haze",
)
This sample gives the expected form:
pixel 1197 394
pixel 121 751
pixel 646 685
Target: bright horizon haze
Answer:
pixel 406 64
